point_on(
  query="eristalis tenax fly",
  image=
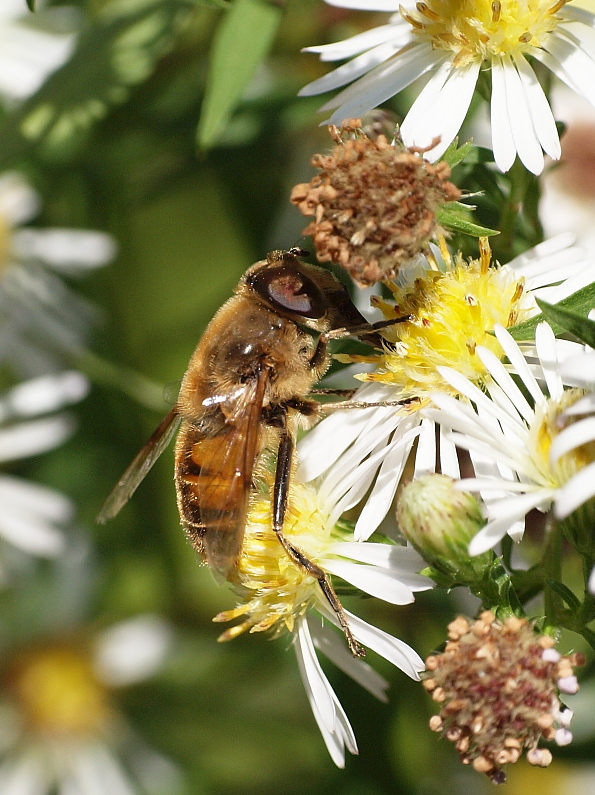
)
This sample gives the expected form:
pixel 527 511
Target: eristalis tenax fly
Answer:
pixel 246 390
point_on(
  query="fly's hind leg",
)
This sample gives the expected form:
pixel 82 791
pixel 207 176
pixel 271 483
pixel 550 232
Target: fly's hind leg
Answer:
pixel 280 497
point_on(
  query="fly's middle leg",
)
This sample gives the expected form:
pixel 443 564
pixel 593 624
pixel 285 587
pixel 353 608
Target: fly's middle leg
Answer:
pixel 280 498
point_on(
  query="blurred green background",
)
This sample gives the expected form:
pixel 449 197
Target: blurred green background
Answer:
pixel 189 219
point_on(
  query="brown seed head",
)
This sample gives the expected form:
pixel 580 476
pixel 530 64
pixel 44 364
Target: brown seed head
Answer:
pixel 374 204
pixel 497 687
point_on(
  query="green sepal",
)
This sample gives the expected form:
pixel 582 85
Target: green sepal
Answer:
pixel 453 216
pixel 455 154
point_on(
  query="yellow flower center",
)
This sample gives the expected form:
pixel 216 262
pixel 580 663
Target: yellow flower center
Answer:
pixel 58 693
pixel 274 591
pixel 453 311
pixel 551 421
pixel 471 29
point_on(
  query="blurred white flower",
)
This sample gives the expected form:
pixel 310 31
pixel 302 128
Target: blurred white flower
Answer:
pixel 40 317
pixel 32 46
pixel 455 306
pixel 542 452
pixel 61 728
pixel 275 594
pixel 454 41
pixel 31 515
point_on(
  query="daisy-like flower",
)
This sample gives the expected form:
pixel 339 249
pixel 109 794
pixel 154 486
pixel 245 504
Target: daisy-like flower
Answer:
pixel 498 685
pixel 455 307
pixel 31 515
pixel 40 317
pixel 454 41
pixel 278 596
pixel 543 454
pixel 61 727
pixel 31 47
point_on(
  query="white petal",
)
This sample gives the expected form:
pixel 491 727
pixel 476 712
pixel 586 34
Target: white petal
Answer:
pixel 539 108
pixel 579 370
pixel 545 343
pixel 29 512
pixel 334 647
pixel 425 455
pixel 366 5
pixel 44 394
pixel 570 64
pixel 516 358
pixel 504 380
pixel 355 44
pixel 392 649
pixel 449 460
pixel 579 489
pixel 372 580
pixel 24 776
pixel 521 124
pixel 389 556
pixel 350 71
pixel 591 585
pixel 502 141
pixel 37 436
pixel 65 250
pixel 573 436
pixel 380 500
pixel 328 713
pixel 383 82
pixel 97 771
pixel 132 650
pixel 18 201
pixel 441 107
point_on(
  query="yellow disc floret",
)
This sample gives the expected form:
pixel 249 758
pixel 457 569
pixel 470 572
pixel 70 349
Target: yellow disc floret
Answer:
pixel 273 589
pixel 484 28
pixel 57 692
pixel 453 309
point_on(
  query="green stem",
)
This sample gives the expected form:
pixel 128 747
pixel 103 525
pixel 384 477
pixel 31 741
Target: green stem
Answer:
pixel 140 389
pixel 552 570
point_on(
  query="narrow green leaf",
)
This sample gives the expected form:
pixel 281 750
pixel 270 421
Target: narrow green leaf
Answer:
pixel 450 216
pixel 31 5
pixel 579 303
pixel 565 594
pixel 582 328
pixel 241 44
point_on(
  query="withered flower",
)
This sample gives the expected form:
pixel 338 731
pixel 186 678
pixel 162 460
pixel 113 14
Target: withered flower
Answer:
pixel 374 203
pixel 498 684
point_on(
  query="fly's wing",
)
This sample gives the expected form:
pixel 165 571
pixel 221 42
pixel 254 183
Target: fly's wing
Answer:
pixel 138 469
pixel 214 476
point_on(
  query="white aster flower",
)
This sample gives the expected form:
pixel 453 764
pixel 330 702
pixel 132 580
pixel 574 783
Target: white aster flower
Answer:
pixel 61 728
pixel 277 595
pixel 40 317
pixel 31 515
pixel 454 41
pixel 542 451
pixel 456 306
pixel 31 47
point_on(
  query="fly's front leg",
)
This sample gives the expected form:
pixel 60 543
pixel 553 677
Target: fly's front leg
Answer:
pixel 280 498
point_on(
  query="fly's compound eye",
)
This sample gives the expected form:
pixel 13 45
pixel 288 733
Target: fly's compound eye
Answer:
pixel 289 290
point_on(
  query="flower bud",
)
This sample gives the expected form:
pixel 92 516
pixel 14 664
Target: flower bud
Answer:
pixel 440 521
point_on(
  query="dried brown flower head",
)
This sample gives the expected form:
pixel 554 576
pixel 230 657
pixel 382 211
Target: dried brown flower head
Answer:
pixel 374 204
pixel 498 685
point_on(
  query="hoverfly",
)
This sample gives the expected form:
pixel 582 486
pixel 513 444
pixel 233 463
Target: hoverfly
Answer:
pixel 245 389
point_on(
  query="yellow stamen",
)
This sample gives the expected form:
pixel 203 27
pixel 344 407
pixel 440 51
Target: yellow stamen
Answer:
pixel 472 29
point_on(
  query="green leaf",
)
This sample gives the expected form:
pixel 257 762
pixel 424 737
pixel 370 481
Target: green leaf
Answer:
pixel 31 5
pixel 582 328
pixel 118 50
pixel 240 45
pixel 451 216
pixel 579 304
pixel 565 594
